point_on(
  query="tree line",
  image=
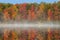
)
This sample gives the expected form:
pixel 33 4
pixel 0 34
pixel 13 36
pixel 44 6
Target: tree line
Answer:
pixel 30 11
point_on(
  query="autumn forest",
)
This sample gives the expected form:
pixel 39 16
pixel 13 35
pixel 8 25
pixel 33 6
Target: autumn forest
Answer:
pixel 30 11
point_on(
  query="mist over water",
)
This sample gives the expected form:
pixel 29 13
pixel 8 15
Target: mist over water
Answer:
pixel 31 24
pixel 23 29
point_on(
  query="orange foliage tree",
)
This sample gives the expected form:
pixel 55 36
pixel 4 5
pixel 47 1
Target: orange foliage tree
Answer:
pixel 50 15
pixel 31 14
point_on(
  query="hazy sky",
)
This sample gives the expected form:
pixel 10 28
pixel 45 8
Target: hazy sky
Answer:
pixel 26 1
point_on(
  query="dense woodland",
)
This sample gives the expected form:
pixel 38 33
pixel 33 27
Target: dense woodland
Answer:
pixel 30 11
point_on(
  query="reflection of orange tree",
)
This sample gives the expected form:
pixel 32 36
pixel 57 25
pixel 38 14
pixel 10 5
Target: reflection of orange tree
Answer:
pixel 5 35
pixel 32 34
pixel 39 37
pixel 24 35
pixel 13 36
pixel 57 34
pixel 10 35
pixel 49 34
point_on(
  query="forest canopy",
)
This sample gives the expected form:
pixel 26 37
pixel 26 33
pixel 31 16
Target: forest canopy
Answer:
pixel 30 11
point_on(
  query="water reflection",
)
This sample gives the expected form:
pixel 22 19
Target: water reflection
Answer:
pixel 30 33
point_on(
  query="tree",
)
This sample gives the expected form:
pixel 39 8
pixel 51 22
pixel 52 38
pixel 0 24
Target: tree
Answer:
pixel 13 11
pixel 31 13
pixel 56 12
pixel 6 15
pixel 41 13
pixel 50 15
pixel 23 11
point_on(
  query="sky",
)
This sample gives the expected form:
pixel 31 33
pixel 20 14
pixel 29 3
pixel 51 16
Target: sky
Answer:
pixel 27 1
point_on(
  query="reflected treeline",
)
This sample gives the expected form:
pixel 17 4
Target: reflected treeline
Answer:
pixel 30 34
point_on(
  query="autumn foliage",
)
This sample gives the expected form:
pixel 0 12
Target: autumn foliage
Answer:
pixel 30 12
